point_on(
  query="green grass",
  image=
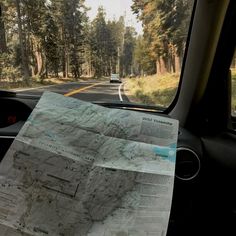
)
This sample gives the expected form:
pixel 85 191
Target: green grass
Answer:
pixel 153 90
pixel 161 90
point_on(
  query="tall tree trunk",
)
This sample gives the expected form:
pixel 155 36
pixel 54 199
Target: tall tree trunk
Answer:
pixel 91 73
pixel 3 43
pixel 75 64
pixel 66 66
pixel 39 59
pixel 64 63
pixel 177 63
pixel 22 47
pixel 161 66
pixel 65 56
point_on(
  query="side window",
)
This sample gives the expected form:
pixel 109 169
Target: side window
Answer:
pixel 233 72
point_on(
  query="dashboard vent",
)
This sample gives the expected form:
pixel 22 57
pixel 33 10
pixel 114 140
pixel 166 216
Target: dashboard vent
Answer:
pixel 187 164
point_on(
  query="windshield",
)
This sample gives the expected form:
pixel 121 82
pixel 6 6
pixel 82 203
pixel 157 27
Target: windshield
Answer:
pixel 119 50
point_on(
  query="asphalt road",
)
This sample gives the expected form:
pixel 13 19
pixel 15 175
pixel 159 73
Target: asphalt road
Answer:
pixel 88 91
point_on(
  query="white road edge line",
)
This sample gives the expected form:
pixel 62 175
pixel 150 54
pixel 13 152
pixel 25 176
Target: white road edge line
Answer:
pixel 120 96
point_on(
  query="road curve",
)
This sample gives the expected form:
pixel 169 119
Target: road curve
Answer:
pixel 87 91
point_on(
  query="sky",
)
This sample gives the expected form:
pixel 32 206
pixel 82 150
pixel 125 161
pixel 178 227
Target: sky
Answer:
pixel 114 9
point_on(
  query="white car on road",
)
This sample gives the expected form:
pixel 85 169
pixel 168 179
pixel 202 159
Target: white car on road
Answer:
pixel 115 78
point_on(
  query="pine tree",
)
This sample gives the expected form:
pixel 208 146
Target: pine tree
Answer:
pixel 3 43
pixel 128 50
pixel 22 42
pixel 165 30
pixel 99 41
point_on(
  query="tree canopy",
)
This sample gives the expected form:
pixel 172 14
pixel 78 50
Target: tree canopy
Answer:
pixel 165 26
pixel 56 38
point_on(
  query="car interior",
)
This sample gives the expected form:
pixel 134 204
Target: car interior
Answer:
pixel 204 199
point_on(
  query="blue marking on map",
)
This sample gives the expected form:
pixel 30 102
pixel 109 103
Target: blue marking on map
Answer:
pixel 166 153
pixel 173 145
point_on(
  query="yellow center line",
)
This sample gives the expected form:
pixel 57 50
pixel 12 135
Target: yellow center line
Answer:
pixel 81 89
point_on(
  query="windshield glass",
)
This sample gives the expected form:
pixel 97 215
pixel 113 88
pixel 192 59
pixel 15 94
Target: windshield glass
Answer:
pixel 119 50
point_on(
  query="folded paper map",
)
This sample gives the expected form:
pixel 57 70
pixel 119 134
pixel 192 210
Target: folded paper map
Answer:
pixel 78 169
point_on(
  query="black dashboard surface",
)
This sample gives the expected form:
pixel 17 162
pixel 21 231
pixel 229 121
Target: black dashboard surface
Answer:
pixel 13 111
